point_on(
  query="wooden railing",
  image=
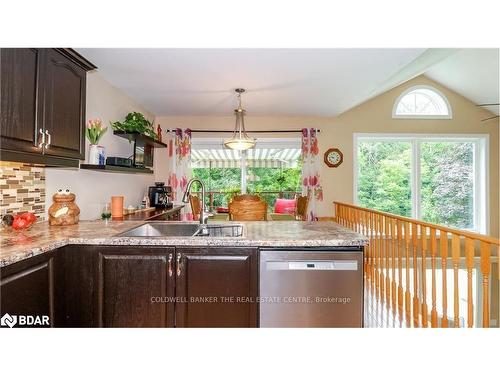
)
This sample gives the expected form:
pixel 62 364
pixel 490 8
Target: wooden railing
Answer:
pixel 401 251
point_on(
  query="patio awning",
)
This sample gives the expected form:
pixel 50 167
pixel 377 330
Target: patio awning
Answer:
pixel 268 153
pixel 256 158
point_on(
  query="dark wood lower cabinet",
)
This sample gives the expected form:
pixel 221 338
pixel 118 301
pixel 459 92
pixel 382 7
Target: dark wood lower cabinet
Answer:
pixel 135 286
pixel 216 287
pixel 27 289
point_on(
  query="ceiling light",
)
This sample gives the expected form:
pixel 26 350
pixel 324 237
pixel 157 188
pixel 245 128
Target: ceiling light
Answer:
pixel 240 140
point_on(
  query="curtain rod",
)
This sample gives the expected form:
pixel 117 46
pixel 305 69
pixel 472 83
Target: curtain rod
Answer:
pixel 248 131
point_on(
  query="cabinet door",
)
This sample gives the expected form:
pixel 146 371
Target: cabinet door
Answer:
pixel 134 286
pixel 18 104
pixel 216 287
pixel 74 274
pixel 27 288
pixel 64 105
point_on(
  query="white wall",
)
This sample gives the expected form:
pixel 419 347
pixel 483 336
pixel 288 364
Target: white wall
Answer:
pixel 91 188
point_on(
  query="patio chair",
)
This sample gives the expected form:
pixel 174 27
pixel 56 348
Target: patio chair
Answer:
pixel 301 210
pixel 247 208
pixel 194 200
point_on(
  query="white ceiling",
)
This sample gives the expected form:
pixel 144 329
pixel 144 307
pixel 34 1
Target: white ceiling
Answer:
pixel 471 72
pixel 322 82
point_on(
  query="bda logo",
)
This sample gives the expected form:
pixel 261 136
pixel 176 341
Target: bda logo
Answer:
pixel 8 320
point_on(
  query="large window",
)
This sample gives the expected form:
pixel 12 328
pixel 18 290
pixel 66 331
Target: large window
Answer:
pixel 272 169
pixel 437 179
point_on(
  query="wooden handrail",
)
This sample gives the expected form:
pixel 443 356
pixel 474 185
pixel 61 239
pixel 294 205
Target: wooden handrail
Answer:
pixel 459 232
pixel 403 251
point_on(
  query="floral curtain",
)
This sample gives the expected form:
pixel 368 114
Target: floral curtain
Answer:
pixel 311 184
pixel 179 158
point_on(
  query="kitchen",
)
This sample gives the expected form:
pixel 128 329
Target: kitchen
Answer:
pixel 66 266
pixel 368 194
pixel 117 191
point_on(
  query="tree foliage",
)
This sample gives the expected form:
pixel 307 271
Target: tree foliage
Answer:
pixel 446 170
pixel 259 181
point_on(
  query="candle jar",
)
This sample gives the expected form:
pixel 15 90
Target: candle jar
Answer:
pixel 117 207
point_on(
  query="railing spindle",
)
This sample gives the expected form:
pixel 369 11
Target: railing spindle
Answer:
pixel 416 303
pixel 393 264
pixel 469 263
pixel 434 319
pixel 455 257
pixel 443 242
pixel 423 235
pixel 485 271
pixel 380 259
pixel 377 254
pixel 407 278
pixel 388 251
pixel 400 268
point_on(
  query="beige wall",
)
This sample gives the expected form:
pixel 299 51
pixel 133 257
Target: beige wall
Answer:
pixel 373 116
pixel 91 188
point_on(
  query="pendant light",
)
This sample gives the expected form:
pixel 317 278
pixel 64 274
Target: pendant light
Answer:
pixel 240 140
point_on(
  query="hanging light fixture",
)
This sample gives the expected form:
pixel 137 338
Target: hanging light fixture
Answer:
pixel 240 140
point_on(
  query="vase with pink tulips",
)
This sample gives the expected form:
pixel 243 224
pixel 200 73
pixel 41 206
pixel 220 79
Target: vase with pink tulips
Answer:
pixel 94 132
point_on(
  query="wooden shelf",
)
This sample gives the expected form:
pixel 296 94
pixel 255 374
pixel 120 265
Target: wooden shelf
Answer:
pixel 115 169
pixel 140 138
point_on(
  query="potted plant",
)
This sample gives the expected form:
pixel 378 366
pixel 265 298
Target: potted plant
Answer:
pixel 135 122
pixel 94 133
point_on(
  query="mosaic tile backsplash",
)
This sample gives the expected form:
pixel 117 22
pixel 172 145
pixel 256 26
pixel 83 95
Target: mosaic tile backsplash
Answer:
pixel 22 189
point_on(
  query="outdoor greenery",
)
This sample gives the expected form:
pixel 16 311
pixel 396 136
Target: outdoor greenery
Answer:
pixel 384 181
pixel 384 177
pixel 259 181
pixel 447 183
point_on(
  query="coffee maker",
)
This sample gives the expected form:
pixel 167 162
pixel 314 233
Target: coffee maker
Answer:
pixel 160 196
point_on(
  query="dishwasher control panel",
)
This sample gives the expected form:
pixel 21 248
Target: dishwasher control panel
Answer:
pixel 313 265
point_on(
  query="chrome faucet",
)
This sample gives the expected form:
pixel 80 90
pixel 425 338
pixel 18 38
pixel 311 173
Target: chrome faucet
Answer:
pixel 204 215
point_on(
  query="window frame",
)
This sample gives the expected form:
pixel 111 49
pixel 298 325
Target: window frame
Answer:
pixel 449 116
pixel 262 143
pixel 481 169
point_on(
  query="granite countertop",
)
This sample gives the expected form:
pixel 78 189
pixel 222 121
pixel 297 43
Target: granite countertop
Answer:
pixel 41 237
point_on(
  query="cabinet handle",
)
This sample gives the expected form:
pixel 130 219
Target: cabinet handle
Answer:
pixel 40 144
pixel 179 264
pixel 170 256
pixel 48 140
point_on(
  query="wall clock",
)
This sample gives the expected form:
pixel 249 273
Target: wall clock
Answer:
pixel 333 157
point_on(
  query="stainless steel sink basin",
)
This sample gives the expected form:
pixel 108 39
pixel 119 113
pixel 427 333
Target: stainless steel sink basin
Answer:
pixel 184 230
pixel 162 230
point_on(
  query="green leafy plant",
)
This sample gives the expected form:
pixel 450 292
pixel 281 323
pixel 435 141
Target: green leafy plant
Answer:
pixel 95 131
pixel 135 122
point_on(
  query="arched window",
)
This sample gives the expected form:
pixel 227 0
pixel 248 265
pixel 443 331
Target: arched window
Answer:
pixel 422 102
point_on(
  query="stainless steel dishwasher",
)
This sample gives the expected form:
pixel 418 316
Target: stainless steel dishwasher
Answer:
pixel 313 287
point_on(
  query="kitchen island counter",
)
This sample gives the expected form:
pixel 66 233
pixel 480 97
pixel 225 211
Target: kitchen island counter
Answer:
pixel 16 246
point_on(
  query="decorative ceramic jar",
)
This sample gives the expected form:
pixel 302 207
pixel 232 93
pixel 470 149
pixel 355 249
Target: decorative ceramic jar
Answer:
pixel 64 210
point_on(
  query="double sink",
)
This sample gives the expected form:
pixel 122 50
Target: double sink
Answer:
pixel 164 229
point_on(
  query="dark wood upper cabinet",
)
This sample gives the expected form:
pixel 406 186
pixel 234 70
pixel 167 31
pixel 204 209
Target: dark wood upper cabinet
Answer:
pixel 64 86
pixel 134 285
pixel 43 98
pixel 216 287
pixel 27 288
pixel 18 98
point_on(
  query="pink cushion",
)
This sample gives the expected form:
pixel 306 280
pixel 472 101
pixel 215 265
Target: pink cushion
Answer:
pixel 284 206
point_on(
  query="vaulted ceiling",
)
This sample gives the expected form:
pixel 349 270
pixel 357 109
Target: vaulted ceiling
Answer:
pixel 321 82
